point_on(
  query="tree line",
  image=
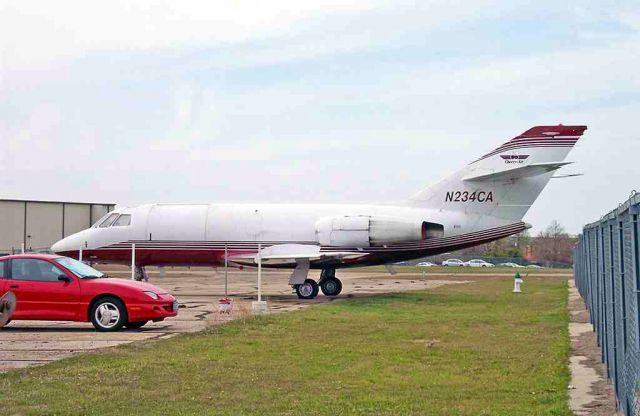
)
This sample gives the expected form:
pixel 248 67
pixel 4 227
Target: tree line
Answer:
pixel 551 245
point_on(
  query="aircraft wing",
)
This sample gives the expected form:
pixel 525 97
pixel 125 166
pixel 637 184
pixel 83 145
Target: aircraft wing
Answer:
pixel 290 253
pixel 532 169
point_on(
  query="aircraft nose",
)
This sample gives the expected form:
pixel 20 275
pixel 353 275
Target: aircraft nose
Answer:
pixel 69 244
pixel 60 246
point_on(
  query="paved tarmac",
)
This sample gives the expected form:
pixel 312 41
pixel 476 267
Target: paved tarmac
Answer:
pixel 27 343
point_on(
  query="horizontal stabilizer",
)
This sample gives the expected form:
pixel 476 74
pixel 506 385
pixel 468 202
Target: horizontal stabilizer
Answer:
pixel 289 253
pixel 568 175
pixel 532 169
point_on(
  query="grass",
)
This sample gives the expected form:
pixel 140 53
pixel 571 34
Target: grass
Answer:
pixel 467 349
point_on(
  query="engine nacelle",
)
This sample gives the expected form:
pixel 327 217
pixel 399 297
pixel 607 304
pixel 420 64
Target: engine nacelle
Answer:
pixel 366 231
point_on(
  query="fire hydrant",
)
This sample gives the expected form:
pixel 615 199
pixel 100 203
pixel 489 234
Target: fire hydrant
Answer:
pixel 517 283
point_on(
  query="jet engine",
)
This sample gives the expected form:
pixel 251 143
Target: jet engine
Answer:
pixel 366 231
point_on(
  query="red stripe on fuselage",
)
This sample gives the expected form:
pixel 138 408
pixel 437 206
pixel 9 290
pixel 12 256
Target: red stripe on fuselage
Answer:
pixel 210 253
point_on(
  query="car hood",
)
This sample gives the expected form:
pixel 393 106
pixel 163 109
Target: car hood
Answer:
pixel 130 284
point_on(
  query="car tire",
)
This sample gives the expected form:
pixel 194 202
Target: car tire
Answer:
pixel 108 314
pixel 135 325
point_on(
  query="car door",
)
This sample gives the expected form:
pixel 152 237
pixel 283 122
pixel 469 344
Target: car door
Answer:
pixel 39 292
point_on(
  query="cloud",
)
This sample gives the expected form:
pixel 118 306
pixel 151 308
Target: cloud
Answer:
pixel 34 33
pixel 356 101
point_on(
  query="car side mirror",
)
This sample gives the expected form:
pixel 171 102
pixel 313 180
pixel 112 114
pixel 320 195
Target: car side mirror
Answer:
pixel 64 278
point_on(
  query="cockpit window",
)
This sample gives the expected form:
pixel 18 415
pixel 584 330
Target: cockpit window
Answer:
pixel 110 219
pixel 123 221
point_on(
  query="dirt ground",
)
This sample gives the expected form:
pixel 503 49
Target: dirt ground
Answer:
pixel 591 393
pixel 26 343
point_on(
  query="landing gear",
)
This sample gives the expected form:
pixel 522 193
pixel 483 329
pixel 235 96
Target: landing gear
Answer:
pixel 307 290
pixel 141 274
pixel 329 283
pixel 331 286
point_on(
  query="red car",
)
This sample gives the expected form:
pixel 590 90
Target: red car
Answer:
pixel 63 289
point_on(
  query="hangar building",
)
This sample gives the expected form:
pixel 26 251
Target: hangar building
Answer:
pixel 39 224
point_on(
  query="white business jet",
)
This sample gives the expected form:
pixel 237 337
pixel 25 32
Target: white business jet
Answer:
pixel 482 202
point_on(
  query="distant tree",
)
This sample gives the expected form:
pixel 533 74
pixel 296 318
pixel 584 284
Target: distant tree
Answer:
pixel 523 240
pixel 506 247
pixel 553 244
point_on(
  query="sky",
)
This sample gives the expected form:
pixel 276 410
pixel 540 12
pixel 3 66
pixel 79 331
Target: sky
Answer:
pixel 288 101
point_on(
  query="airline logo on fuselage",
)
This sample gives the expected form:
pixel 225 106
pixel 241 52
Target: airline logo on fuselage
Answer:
pixel 514 158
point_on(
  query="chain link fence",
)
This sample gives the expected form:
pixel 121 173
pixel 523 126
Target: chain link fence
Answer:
pixel 607 274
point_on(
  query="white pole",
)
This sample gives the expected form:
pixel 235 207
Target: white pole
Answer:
pixel 259 273
pixel 80 255
pixel 133 261
pixel 22 247
pixel 225 271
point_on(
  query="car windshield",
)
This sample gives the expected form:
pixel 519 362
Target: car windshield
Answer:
pixel 79 269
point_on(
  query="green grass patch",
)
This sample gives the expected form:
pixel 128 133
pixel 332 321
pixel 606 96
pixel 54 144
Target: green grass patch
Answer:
pixel 467 349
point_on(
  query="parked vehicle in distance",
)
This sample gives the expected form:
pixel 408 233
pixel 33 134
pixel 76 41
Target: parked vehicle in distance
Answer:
pixel 426 264
pixel 509 264
pixel 479 263
pixel 55 288
pixel 533 266
pixel 453 263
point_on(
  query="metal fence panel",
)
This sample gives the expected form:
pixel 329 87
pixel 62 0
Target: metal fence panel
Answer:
pixel 607 274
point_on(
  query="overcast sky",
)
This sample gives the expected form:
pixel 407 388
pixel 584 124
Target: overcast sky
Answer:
pixel 290 101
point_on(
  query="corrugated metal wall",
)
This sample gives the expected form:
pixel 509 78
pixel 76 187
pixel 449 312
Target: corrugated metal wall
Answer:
pixel 607 273
pixel 39 224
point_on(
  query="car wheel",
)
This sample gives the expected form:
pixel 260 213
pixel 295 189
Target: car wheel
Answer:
pixel 135 325
pixel 108 314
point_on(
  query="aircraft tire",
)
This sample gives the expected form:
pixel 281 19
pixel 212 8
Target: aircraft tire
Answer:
pixel 308 290
pixel 331 286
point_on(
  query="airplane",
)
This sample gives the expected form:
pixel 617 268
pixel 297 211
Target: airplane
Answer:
pixel 481 202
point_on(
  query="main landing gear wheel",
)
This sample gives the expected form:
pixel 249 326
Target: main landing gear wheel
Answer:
pixel 331 286
pixel 308 290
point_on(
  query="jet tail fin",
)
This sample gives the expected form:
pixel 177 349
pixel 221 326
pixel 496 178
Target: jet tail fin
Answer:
pixel 506 181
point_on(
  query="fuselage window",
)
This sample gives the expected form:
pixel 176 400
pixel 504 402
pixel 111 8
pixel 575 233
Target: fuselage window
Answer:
pixel 110 219
pixel 123 221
